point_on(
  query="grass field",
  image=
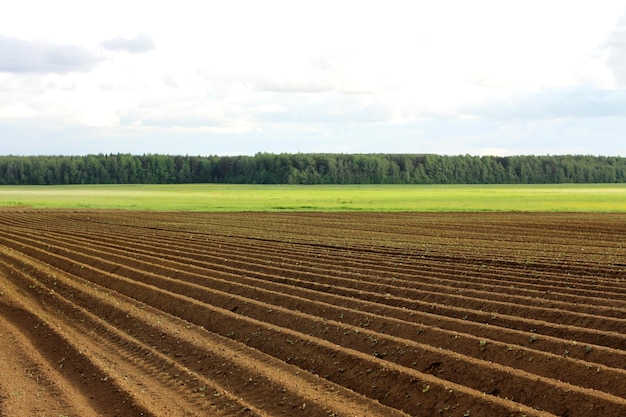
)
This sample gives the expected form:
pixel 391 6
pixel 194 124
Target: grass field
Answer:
pixel 222 197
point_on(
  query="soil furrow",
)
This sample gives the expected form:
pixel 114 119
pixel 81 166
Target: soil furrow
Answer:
pixel 318 313
pixel 472 370
pixel 601 319
pixel 582 351
pixel 536 326
pixel 599 304
pixel 105 397
pixel 438 261
pixel 310 347
pixel 168 348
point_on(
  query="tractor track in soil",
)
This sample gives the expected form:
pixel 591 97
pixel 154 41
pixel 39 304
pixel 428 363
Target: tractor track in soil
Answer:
pixel 126 313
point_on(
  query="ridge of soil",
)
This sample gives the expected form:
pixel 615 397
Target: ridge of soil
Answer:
pixel 111 313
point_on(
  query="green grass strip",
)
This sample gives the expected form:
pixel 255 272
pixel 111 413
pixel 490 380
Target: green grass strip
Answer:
pixel 225 197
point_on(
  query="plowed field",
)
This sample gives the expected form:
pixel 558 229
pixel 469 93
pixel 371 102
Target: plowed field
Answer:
pixel 312 314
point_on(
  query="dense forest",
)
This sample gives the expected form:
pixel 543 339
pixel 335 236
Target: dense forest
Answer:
pixel 266 168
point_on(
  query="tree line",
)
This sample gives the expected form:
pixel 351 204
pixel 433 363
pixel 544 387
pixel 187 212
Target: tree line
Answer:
pixel 267 168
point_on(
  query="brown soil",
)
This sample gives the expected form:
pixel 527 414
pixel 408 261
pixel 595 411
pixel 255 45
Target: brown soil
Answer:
pixel 106 313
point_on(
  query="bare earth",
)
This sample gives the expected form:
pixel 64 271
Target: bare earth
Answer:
pixel 112 313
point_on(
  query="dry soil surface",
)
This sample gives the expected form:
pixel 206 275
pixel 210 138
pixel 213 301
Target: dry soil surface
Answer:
pixel 113 313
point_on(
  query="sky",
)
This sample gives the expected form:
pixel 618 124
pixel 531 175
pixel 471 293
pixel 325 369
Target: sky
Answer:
pixel 240 77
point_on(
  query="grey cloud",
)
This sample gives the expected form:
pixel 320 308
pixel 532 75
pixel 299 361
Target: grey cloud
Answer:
pixel 337 109
pixel 313 79
pixel 270 85
pixel 573 103
pixel 138 45
pixel 21 56
pixel 170 81
pixel 616 45
pixel 293 86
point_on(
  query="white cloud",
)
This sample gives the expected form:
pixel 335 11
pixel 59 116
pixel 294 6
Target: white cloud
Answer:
pixel 170 81
pixel 350 75
pixel 616 46
pixel 16 110
pixel 269 108
pixel 139 44
pixel 21 56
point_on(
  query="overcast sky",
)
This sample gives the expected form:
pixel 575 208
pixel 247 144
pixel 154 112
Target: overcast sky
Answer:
pixel 240 77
